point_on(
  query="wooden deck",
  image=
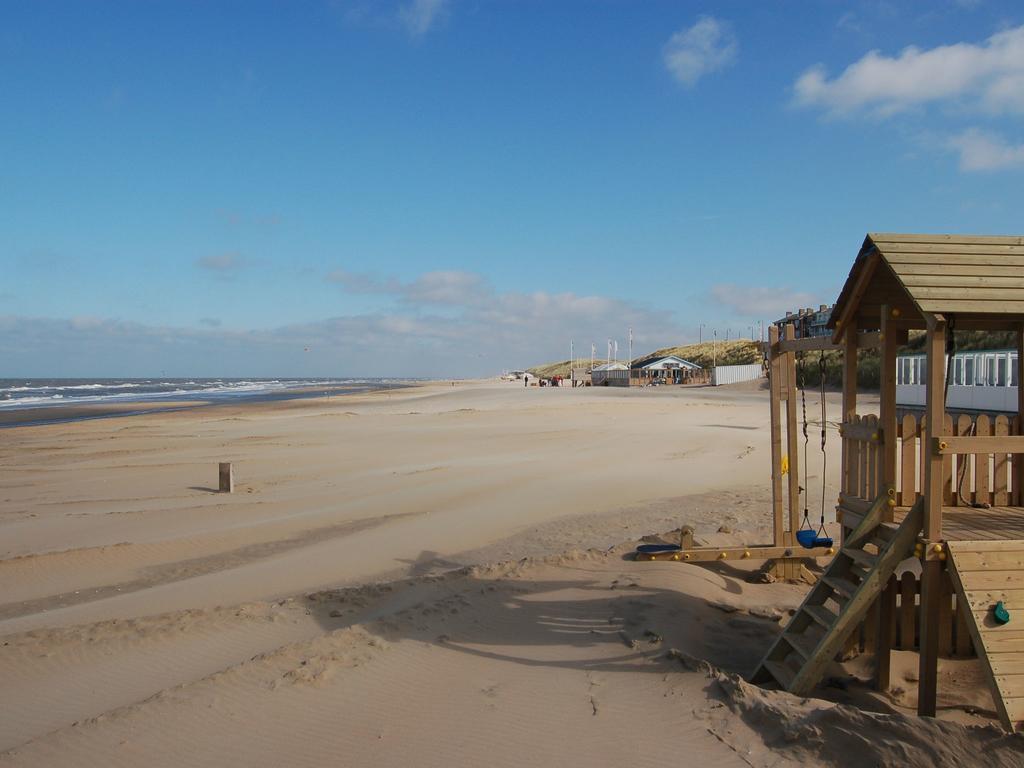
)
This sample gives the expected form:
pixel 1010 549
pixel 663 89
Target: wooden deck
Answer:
pixel 967 524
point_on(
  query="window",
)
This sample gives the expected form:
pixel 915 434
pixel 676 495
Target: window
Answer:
pixel 1001 371
pixel 969 370
pixel 1013 371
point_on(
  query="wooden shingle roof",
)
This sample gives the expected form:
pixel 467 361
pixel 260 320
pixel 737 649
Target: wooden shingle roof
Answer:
pixel 933 274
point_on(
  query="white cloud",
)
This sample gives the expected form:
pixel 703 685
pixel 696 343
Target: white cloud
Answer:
pixel 983 151
pixel 986 76
pixel 447 323
pixel 419 16
pixel 761 302
pixel 706 47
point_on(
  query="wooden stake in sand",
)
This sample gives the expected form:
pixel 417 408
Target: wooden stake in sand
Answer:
pixel 227 477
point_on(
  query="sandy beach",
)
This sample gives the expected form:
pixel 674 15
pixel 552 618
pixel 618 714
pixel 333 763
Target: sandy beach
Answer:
pixel 434 576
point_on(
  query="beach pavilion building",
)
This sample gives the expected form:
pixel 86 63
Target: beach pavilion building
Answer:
pixel 670 369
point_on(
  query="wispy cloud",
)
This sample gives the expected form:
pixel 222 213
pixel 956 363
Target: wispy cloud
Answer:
pixel 437 328
pixel 987 76
pixel 983 151
pixel 221 263
pixel 454 288
pixel 418 16
pixel 708 46
pixel 759 302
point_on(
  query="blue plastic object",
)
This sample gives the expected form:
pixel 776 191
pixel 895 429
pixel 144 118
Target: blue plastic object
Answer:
pixel 657 549
pixel 808 539
pixel 823 541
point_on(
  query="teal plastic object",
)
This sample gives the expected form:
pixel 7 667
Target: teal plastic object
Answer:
pixel 1000 614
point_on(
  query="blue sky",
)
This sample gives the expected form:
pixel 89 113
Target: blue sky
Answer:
pixel 447 187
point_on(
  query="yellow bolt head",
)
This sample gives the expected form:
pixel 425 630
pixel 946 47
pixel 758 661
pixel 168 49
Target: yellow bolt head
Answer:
pixel 891 502
pixel 746 553
pixel 830 551
pixel 722 555
pixel 675 557
pixel 936 547
pixel 895 312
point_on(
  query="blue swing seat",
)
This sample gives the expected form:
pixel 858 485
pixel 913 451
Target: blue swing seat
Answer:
pixel 808 539
pixel 657 549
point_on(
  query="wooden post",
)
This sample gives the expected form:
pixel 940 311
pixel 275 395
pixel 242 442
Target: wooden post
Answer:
pixel 931 576
pixel 775 405
pixel 887 409
pixel 792 438
pixel 885 605
pixel 227 477
pixel 849 411
pixel 886 626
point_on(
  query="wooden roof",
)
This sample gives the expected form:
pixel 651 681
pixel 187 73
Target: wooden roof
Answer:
pixel 933 274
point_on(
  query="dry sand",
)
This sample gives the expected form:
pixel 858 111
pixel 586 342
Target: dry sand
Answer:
pixel 437 576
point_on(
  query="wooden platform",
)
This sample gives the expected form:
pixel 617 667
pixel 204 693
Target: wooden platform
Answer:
pixel 967 524
pixel 984 572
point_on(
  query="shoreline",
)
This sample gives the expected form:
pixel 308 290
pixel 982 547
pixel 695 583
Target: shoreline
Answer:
pixel 66 413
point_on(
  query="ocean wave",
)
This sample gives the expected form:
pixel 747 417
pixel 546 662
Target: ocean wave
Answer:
pixel 25 393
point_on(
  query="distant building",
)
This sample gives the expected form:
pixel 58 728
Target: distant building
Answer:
pixel 808 322
pixel 670 369
pixel 662 370
pixel 609 375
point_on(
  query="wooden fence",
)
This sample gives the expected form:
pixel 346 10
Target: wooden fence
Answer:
pixel 902 598
pixel 981 477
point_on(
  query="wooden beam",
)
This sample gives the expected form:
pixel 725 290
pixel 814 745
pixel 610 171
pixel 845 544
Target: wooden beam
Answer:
pixel 931 576
pixel 846 321
pixel 886 624
pixel 792 438
pixel 866 340
pixel 775 406
pixel 887 407
pixel 947 444
pixel 752 553
pixel 935 411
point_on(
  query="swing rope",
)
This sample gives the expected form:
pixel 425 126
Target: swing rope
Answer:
pixel 824 456
pixel 807 536
pixel 819 537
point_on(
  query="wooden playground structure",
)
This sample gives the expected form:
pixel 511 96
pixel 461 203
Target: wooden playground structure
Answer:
pixel 785 553
pixel 931 510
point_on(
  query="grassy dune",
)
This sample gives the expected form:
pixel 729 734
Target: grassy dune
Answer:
pixel 735 352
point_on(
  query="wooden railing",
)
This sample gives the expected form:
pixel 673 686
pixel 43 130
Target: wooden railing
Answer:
pixel 862 458
pixel 902 599
pixel 983 477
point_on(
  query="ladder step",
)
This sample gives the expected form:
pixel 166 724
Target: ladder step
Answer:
pixel 782 673
pixel 860 556
pixel 882 534
pixel 844 587
pixel 801 644
pixel 821 615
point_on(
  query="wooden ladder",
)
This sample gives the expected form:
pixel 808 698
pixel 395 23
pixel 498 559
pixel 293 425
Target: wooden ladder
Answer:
pixel 840 600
